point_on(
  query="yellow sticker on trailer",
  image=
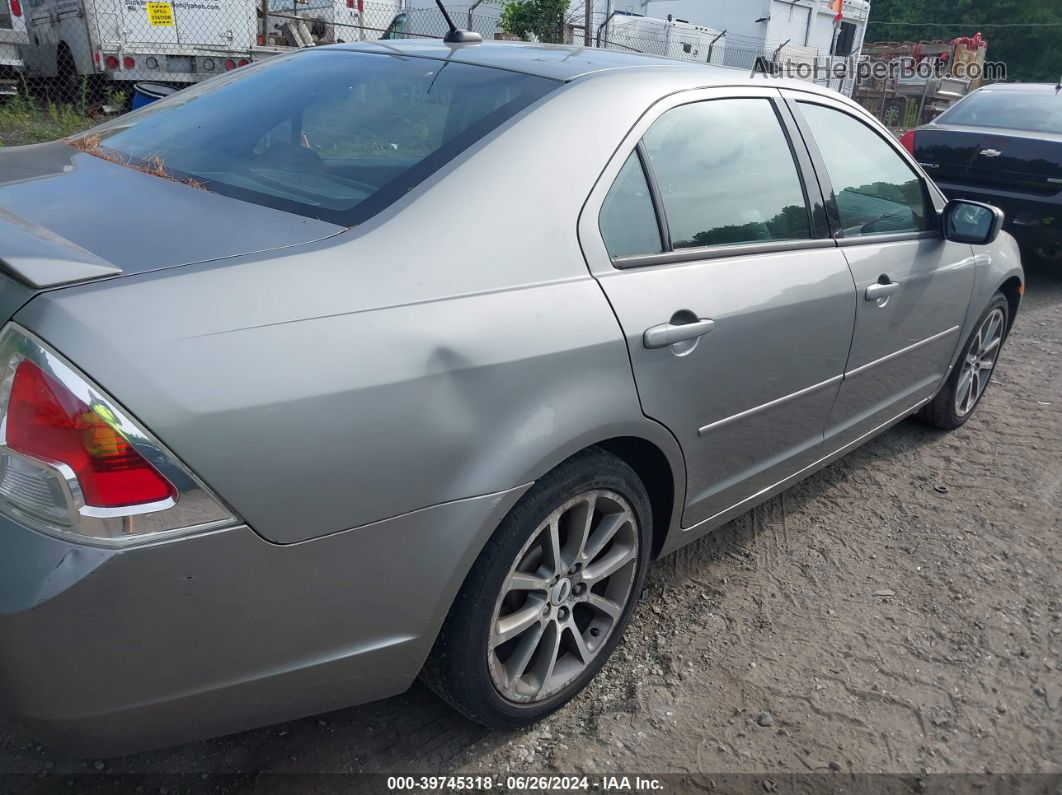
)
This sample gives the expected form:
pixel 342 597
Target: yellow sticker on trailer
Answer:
pixel 160 15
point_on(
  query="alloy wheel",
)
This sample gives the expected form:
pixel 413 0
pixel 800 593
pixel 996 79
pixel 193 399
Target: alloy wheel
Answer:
pixel 979 362
pixel 563 597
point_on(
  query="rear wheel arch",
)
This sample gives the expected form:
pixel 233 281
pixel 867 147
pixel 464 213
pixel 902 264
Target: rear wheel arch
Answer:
pixel 655 471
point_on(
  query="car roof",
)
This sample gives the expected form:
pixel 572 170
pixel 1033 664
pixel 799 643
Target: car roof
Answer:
pixel 543 60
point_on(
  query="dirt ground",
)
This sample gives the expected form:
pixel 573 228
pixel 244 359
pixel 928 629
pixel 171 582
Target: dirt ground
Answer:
pixel 901 611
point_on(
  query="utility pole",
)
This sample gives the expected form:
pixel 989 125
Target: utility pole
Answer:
pixel 588 20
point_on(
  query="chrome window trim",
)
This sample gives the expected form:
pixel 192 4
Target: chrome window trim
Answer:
pixel 18 344
pixel 889 237
pixel 718 252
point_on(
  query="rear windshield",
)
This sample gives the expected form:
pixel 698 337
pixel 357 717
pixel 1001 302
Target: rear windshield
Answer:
pixel 1015 110
pixel 331 134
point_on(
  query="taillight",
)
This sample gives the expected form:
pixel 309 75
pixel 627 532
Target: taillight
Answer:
pixel 244 62
pixel 49 422
pixel 907 141
pixel 229 64
pixel 111 61
pixel 128 62
pixel 73 463
pixel 16 8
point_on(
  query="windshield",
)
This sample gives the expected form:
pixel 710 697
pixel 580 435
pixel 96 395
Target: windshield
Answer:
pixel 1015 110
pixel 331 134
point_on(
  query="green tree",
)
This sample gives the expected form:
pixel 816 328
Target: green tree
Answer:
pixel 1032 53
pixel 541 19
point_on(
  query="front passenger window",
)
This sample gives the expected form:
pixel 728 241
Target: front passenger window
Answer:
pixel 875 190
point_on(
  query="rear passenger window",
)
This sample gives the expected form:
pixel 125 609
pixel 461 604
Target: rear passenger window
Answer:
pixel 628 221
pixel 726 174
pixel 876 191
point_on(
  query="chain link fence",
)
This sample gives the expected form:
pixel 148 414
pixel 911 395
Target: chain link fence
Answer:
pixel 93 52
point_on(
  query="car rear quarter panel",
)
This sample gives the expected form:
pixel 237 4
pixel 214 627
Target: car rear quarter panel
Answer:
pixel 454 346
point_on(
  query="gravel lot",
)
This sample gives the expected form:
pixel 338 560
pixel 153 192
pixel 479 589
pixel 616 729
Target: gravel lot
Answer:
pixel 900 611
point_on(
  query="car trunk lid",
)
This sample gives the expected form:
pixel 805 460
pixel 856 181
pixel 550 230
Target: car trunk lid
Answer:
pixel 1010 160
pixel 68 216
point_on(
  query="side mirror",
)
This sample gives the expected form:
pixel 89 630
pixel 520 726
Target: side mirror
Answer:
pixel 972 222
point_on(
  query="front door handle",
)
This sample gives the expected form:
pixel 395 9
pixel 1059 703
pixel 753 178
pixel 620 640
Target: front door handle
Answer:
pixel 877 291
pixel 667 334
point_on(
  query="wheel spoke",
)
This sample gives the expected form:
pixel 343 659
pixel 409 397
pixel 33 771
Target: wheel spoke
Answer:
pixel 580 643
pixel 512 625
pixel 553 550
pixel 617 557
pixel 964 386
pixel 991 346
pixel 582 517
pixel 987 363
pixel 607 528
pixel 606 606
pixel 522 581
pixel 546 657
pixel 993 327
pixel 516 665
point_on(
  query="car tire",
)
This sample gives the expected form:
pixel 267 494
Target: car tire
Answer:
pixel 505 679
pixel 969 378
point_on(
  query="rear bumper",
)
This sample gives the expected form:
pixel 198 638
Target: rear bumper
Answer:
pixel 173 67
pixel 1035 221
pixel 106 651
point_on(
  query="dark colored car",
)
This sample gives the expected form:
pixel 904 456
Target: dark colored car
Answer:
pixel 1002 145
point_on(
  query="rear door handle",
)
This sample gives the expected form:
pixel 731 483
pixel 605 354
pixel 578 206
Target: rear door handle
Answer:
pixel 875 292
pixel 666 334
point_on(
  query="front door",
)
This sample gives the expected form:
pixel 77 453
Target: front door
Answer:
pixel 736 306
pixel 912 286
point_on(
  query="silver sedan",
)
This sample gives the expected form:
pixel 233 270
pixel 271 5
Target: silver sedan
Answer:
pixel 399 359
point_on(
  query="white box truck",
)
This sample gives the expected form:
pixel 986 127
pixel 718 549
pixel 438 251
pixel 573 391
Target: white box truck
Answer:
pixel 176 41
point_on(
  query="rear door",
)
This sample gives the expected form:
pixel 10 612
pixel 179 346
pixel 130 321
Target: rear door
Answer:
pixel 736 306
pixel 913 287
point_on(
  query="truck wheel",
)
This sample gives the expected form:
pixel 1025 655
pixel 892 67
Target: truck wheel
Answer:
pixel 67 80
pixel 549 597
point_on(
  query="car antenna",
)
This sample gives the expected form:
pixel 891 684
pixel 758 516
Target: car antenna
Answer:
pixel 456 35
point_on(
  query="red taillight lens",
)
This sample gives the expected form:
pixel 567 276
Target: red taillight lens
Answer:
pixel 128 62
pixel 244 62
pixel 16 8
pixel 111 61
pixel 47 421
pixel 907 141
pixel 230 65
